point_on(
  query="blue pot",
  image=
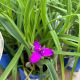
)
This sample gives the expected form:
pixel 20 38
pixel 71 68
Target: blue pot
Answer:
pixel 66 60
pixel 70 67
pixel 4 63
pixel 4 60
pixel 32 77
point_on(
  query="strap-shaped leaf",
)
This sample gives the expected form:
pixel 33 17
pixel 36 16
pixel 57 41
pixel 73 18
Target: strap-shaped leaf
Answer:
pixel 57 43
pixel 28 10
pixel 69 7
pixel 51 69
pixel 11 27
pixel 44 13
pixel 68 53
pixel 68 37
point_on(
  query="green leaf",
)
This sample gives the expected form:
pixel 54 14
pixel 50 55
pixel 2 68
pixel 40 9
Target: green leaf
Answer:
pixel 44 13
pixel 57 44
pixel 50 64
pixel 69 6
pixel 20 16
pixel 77 54
pixel 58 9
pixel 51 69
pixel 14 72
pixel 69 42
pixel 68 37
pixel 66 25
pixel 56 40
pixel 20 2
pixel 27 13
pixel 79 34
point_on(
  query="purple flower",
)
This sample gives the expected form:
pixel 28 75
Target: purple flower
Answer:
pixel 35 57
pixel 46 52
pixel 37 46
pixel 40 52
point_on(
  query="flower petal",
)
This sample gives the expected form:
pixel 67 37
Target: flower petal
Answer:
pixel 37 46
pixel 35 57
pixel 46 52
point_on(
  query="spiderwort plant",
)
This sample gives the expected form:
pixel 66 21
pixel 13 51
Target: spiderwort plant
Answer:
pixel 40 52
pixel 27 20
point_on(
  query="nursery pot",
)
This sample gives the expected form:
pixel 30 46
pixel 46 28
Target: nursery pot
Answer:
pixel 70 61
pixel 4 63
pixel 32 77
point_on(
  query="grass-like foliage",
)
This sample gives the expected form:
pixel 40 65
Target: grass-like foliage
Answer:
pixel 55 23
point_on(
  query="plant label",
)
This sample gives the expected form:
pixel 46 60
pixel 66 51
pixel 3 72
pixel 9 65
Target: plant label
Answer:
pixel 1 45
